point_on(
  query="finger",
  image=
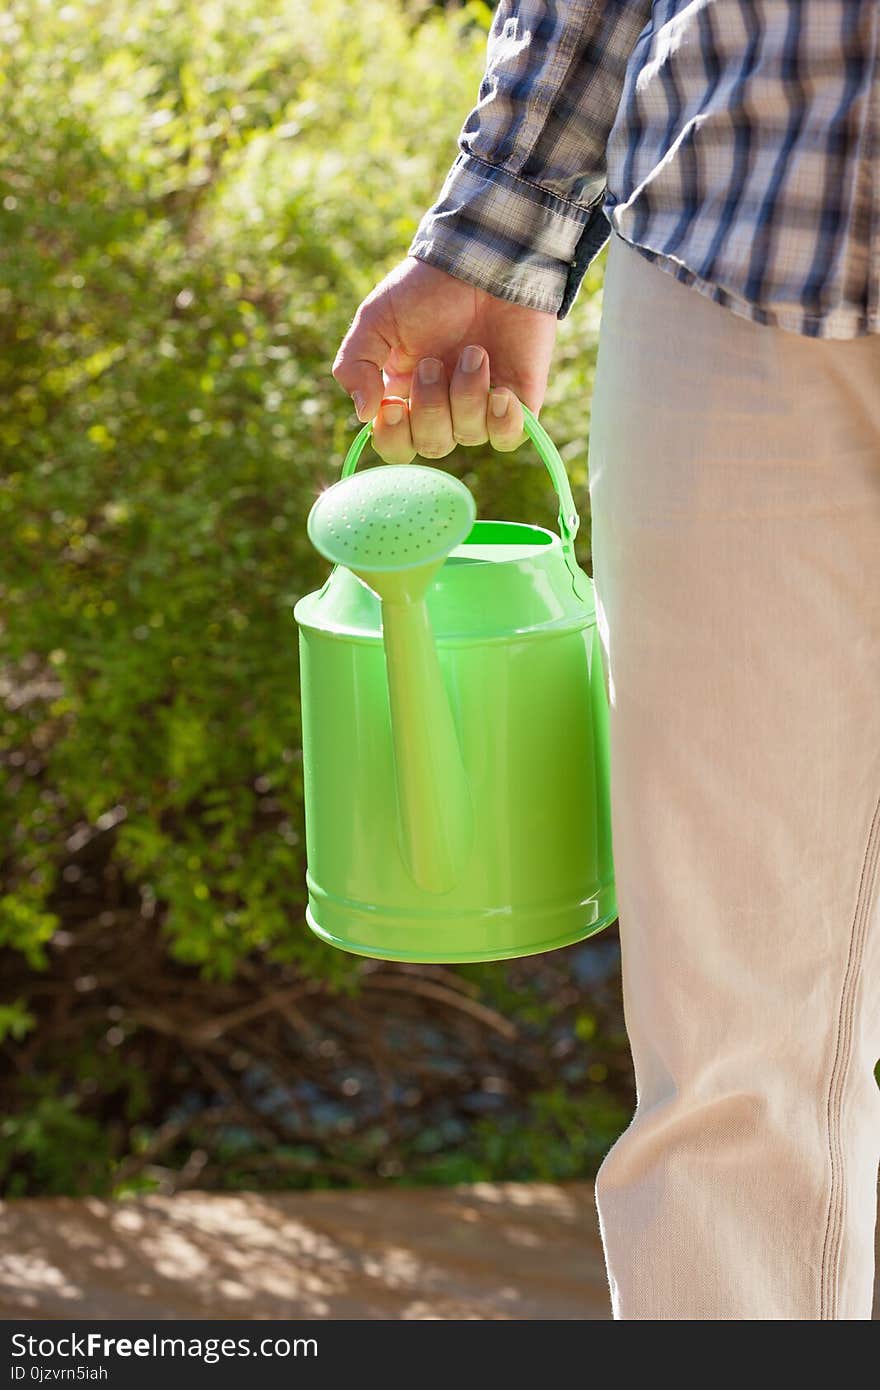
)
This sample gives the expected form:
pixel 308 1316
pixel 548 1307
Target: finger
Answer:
pixel 468 396
pixel 392 439
pixel 505 421
pixel 358 364
pixel 430 418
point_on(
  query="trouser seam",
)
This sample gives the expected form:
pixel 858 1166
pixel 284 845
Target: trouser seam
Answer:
pixel 832 1240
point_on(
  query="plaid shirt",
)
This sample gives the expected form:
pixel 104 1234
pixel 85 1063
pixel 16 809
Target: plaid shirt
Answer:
pixel 734 142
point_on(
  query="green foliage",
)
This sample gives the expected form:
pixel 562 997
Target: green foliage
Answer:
pixel 195 196
pixel 563 1137
pixel 25 926
pixel 183 248
pixel 53 1149
pixel 15 1021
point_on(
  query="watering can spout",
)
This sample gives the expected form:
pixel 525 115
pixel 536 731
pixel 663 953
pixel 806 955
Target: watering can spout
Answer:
pixel 433 795
pixel 394 527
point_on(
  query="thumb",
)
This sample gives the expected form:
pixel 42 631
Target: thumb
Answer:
pixel 359 361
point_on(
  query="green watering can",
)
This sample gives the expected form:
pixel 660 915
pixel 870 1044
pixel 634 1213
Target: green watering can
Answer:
pixel 455 723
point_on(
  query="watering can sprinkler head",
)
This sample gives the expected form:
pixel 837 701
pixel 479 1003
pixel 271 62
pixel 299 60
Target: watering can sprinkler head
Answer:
pixel 393 527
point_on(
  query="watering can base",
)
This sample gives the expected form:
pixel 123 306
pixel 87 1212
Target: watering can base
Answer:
pixel 413 941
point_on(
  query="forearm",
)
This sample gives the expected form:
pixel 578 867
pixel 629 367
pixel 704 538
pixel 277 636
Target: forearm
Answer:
pixel 520 211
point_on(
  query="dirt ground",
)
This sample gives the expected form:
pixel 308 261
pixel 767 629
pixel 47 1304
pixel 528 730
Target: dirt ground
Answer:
pixel 499 1251
pixel 487 1251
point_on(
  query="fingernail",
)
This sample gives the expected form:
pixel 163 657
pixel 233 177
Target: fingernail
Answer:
pixel 358 402
pixel 429 371
pixel 471 359
pixel 392 413
pixel 498 403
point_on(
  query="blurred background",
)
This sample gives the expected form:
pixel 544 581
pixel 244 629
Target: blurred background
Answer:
pixel 195 196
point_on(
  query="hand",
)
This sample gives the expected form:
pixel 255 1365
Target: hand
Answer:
pixel 419 313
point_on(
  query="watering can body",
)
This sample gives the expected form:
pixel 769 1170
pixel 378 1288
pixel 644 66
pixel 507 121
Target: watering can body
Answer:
pixel 520 663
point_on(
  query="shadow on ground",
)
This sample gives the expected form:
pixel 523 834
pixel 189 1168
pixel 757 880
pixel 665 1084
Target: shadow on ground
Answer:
pixel 487 1251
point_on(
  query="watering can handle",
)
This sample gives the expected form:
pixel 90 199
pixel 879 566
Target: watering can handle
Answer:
pixel 569 521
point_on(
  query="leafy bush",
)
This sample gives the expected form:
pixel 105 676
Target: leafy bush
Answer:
pixel 195 198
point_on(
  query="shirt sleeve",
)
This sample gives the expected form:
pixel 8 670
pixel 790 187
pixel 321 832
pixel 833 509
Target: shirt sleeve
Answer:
pixel 520 212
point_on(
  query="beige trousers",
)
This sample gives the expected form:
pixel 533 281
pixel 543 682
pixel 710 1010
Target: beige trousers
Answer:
pixel 735 491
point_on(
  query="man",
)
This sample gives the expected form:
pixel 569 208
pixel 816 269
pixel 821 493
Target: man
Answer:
pixel 731 150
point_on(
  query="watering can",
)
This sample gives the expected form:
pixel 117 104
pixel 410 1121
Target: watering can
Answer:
pixel 454 721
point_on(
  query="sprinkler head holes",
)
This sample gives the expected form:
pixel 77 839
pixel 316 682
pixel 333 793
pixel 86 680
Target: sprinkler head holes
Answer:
pixel 392 518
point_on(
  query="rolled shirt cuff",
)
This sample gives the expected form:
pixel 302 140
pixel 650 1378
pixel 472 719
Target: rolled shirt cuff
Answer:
pixel 510 237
